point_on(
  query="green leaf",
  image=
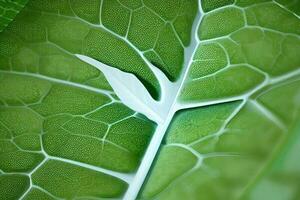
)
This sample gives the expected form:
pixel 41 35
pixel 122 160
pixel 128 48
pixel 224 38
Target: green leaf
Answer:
pixel 8 11
pixel 130 99
pixel 237 149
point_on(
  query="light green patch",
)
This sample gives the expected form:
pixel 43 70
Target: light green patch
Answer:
pixel 68 68
pixel 221 23
pixel 111 113
pixel 26 60
pixel 274 17
pixel 67 33
pixel 289 59
pixel 61 143
pixel 281 178
pixel 226 83
pixel 20 90
pixel 208 59
pixel 269 51
pixel 198 123
pixel 172 162
pixel 83 126
pixel 226 154
pixel 250 123
pixel 234 51
pixel 279 104
pixel 75 101
pixel 70 181
pixel 260 48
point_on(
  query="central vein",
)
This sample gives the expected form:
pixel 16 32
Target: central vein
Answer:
pixel 152 149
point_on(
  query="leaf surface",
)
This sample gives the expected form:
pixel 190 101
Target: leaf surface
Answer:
pixel 172 100
pixel 245 61
pixel 8 11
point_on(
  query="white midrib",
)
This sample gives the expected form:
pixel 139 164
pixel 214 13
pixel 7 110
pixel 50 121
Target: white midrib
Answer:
pixel 155 143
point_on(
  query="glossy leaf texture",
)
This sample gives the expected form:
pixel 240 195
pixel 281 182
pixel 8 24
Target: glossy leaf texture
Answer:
pixel 230 97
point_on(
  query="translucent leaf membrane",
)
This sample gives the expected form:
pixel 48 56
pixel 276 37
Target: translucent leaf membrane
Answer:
pixel 64 134
pixel 281 175
pixel 247 64
pixel 257 41
pixel 219 150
